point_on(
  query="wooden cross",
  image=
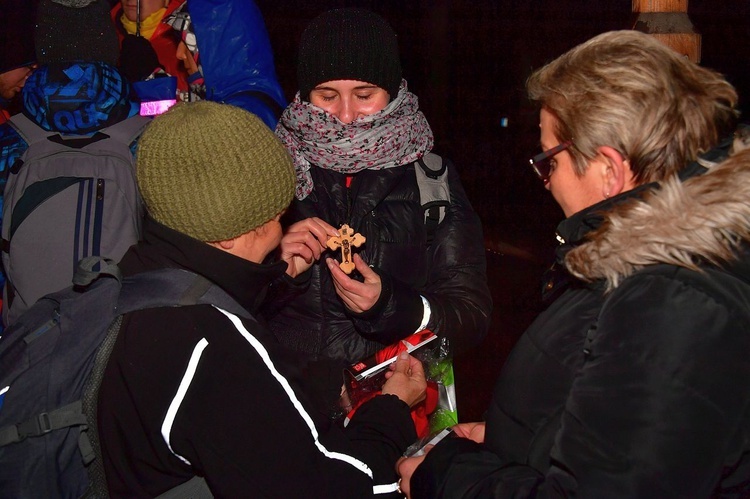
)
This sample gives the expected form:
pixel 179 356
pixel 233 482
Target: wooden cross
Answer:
pixel 346 241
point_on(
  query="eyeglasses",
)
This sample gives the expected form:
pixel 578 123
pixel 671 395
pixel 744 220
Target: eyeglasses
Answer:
pixel 542 164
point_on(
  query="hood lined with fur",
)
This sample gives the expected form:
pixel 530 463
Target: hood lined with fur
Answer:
pixel 705 219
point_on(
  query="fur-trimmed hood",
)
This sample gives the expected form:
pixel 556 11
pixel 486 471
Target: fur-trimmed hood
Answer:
pixel 705 219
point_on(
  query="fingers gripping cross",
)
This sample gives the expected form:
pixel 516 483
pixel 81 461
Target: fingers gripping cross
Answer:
pixel 346 241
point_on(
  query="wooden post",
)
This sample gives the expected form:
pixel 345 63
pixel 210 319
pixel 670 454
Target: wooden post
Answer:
pixel 667 21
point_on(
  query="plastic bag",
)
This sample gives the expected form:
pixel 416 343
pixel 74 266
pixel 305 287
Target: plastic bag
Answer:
pixel 364 379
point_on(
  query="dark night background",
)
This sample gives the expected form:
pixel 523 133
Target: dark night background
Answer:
pixel 467 61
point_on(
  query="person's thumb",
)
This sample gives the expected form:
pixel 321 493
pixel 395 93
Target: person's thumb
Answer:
pixel 402 363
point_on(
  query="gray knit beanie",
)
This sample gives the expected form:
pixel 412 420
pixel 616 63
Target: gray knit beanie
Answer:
pixel 75 30
pixel 212 171
pixel 349 44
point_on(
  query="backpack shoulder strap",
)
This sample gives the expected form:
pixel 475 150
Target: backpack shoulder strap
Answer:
pixel 174 288
pixel 168 287
pixel 91 268
pixel 127 130
pixel 27 129
pixel 432 165
pixel 434 192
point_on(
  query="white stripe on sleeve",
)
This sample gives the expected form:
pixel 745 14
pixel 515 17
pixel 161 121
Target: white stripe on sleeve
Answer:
pixel 263 353
pixel 385 489
pixel 174 406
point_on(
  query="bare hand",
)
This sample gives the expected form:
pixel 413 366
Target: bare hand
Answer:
pixel 357 296
pixel 473 431
pixel 406 380
pixel 303 243
pixel 405 467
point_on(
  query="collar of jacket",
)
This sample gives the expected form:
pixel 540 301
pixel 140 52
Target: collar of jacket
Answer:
pixel 700 221
pixel 247 282
pixel 572 231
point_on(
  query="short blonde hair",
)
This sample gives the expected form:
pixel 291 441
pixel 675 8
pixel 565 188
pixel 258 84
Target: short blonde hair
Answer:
pixel 627 90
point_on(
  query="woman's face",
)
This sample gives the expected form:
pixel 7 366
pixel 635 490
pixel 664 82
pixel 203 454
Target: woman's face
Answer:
pixel 148 7
pixel 348 100
pixel 572 192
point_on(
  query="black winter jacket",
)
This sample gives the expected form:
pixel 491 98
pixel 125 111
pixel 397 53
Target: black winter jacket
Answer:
pixel 194 390
pixel 384 206
pixel 635 382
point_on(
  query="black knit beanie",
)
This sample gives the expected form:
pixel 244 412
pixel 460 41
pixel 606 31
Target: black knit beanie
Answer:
pixel 75 30
pixel 349 44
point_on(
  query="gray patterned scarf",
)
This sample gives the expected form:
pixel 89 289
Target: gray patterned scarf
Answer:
pixel 397 135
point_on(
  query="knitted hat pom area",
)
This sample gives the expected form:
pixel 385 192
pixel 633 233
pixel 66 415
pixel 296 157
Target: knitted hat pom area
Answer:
pixel 212 171
pixel 349 44
pixel 75 30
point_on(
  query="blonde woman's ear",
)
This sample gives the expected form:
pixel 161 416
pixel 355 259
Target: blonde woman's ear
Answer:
pixel 616 174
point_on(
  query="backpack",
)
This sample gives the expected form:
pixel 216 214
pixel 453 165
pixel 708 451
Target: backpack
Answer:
pixel 52 361
pixel 434 191
pixel 66 198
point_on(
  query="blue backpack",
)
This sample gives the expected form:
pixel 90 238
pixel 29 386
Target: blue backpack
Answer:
pixel 51 364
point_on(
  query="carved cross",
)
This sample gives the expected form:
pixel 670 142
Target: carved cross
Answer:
pixel 347 239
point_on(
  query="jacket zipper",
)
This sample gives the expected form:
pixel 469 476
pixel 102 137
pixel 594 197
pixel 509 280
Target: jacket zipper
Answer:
pixel 349 179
